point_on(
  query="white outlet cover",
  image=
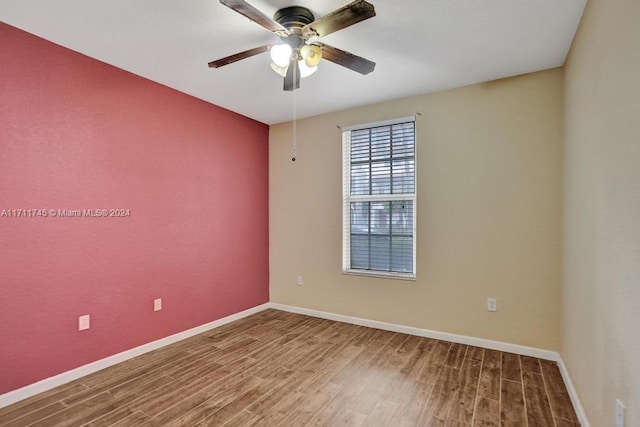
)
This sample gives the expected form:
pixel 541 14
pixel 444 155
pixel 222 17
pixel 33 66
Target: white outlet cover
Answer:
pixel 619 414
pixel 157 304
pixel 299 281
pixel 84 322
pixel 492 304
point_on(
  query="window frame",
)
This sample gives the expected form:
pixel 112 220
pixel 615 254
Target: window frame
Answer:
pixel 348 198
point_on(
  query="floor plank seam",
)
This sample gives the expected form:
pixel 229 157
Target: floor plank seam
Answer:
pixel 477 399
pixel 524 394
pixel 546 390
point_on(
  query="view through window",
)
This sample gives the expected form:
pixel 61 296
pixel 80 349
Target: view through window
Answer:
pixel 379 198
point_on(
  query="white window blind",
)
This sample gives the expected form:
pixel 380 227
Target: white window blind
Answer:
pixel 379 198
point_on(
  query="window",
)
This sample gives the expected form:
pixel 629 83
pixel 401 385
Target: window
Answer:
pixel 379 199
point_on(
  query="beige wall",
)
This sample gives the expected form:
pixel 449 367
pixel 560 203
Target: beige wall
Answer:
pixel 601 310
pixel 489 213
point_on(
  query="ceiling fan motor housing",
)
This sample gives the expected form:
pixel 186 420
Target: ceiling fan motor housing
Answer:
pixel 293 17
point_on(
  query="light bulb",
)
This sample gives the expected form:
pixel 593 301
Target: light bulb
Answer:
pixel 281 54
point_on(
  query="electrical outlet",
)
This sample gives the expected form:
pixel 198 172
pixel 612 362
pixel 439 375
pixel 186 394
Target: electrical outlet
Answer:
pixel 84 322
pixel 157 304
pixel 492 304
pixel 619 414
pixel 299 281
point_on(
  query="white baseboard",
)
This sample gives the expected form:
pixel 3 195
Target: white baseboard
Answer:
pixel 573 394
pixel 461 339
pixel 65 377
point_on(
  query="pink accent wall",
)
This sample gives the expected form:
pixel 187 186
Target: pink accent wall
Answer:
pixel 76 133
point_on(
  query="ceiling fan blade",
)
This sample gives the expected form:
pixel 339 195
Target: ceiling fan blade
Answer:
pixel 292 79
pixel 348 15
pixel 245 9
pixel 238 56
pixel 347 59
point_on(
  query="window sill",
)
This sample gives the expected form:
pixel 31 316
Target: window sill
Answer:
pixel 381 274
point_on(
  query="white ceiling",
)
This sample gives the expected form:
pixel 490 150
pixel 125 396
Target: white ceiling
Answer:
pixel 419 46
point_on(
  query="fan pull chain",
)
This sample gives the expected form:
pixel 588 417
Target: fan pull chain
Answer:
pixel 295 120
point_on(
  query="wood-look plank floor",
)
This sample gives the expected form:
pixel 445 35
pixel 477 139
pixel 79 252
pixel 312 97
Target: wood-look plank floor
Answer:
pixel 282 369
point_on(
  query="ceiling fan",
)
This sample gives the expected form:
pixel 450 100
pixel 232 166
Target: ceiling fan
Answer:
pixel 300 52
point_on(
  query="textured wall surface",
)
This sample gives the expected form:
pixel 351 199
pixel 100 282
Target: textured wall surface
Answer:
pixel 601 291
pixel 76 133
pixel 489 213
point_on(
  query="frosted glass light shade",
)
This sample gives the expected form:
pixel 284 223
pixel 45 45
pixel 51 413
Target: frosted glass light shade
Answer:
pixel 280 70
pixel 305 70
pixel 311 54
pixel 281 54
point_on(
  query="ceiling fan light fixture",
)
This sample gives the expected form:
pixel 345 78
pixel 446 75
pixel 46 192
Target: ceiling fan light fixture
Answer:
pixel 281 54
pixel 282 71
pixel 305 70
pixel 312 54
